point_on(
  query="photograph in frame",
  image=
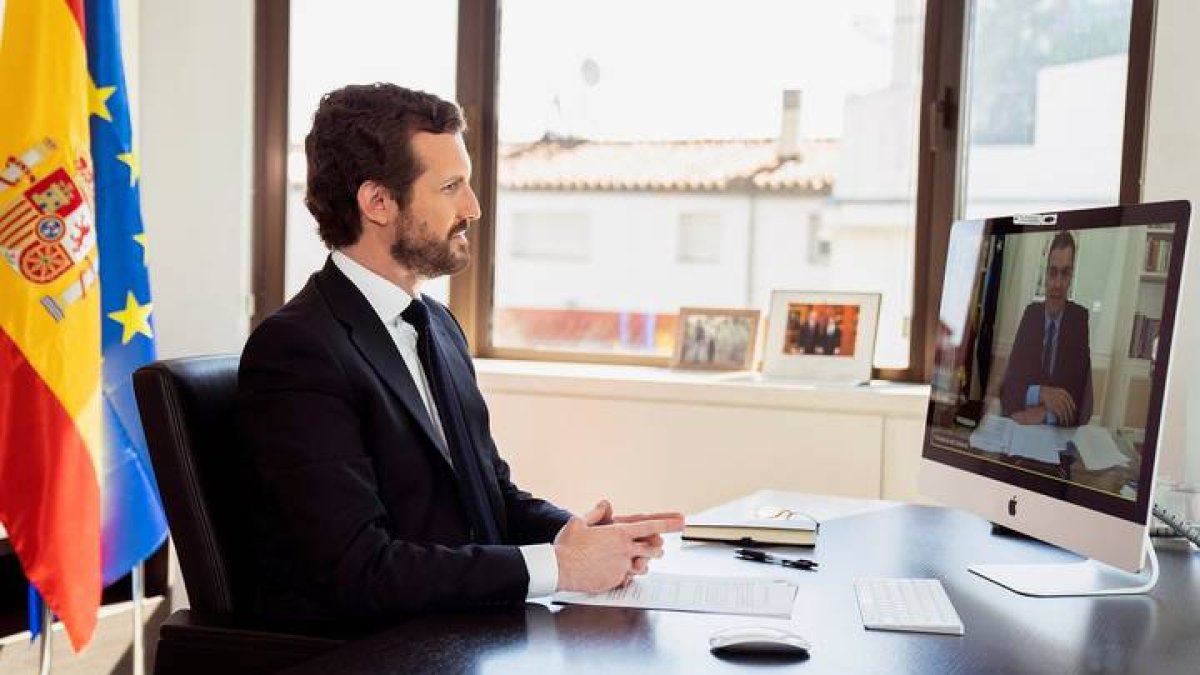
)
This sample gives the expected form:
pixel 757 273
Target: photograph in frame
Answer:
pixel 818 329
pixel 821 336
pixel 716 339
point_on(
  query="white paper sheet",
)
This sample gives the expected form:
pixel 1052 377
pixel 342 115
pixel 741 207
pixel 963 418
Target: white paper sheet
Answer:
pixel 994 434
pixel 1042 442
pixel 753 596
pixel 1003 435
pixel 1097 448
pixel 1039 441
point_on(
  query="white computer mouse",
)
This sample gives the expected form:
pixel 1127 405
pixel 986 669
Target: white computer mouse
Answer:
pixel 758 640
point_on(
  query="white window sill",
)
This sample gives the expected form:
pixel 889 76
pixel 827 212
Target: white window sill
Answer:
pixel 748 389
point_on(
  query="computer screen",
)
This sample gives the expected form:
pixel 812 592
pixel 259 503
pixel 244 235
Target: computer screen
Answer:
pixel 1053 343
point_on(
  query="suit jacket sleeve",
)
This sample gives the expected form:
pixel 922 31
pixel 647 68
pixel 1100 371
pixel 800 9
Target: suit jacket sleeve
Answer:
pixel 1084 397
pixel 298 421
pixel 1024 363
pixel 529 520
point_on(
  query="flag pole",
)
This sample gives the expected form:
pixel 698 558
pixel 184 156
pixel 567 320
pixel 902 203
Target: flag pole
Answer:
pixel 139 590
pixel 47 644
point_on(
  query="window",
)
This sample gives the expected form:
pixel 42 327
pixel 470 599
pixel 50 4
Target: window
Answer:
pixel 629 168
pixel 699 238
pixel 1045 105
pixel 331 45
pixel 819 247
pixel 704 169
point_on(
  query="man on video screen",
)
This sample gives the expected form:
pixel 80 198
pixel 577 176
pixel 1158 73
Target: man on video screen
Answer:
pixel 1049 378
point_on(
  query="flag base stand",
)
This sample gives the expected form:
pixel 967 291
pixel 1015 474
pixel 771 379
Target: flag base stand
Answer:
pixel 138 579
pixel 47 644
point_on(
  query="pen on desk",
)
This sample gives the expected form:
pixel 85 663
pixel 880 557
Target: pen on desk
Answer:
pixel 754 555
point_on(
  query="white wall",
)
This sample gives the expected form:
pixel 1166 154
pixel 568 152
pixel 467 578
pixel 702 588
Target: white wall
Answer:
pixel 195 75
pixel 1173 172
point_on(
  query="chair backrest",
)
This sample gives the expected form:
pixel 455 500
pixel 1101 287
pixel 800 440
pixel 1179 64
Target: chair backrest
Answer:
pixel 189 414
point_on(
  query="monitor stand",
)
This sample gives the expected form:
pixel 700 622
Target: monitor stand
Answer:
pixel 1087 577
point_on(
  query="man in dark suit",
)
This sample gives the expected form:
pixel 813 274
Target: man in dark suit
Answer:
pixel 380 488
pixel 833 337
pixel 812 333
pixel 1049 377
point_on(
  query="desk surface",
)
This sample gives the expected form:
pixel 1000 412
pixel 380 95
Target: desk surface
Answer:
pixel 1005 632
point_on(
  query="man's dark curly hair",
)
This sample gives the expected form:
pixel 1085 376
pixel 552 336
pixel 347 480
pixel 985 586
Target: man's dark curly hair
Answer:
pixel 363 132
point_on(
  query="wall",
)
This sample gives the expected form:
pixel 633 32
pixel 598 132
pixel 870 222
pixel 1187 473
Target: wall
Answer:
pixel 652 439
pixel 631 261
pixel 1173 172
pixel 195 81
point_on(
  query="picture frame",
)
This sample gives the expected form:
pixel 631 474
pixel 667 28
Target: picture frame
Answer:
pixel 824 336
pixel 716 338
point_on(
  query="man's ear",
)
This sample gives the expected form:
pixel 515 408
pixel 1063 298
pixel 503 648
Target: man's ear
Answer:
pixel 375 203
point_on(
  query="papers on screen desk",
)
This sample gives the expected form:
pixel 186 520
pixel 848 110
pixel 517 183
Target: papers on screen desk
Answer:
pixel 1002 435
pixel 1044 443
pixel 1097 448
pixel 754 596
pixel 752 521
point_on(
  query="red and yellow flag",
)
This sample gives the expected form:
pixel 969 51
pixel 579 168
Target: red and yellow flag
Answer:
pixel 50 363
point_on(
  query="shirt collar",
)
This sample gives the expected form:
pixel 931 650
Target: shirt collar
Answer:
pixel 1052 321
pixel 386 298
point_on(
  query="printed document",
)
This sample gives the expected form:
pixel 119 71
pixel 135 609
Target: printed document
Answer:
pixel 1044 443
pixel 1097 448
pixel 753 596
pixel 1003 435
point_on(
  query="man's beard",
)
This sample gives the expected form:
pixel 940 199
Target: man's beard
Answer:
pixel 424 254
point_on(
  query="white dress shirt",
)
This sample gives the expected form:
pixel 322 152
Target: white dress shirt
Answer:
pixel 389 300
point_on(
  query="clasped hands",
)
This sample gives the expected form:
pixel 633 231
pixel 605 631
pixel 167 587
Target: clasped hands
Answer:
pixel 1056 400
pixel 600 551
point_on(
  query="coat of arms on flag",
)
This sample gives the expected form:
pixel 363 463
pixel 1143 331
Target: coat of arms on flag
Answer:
pixel 47 227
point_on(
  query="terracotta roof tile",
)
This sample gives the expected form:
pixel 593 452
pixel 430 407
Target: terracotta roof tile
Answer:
pixel 715 165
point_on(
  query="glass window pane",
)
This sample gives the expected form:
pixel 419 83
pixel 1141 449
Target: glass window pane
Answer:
pixel 410 43
pixel 699 238
pixel 772 146
pixel 1045 106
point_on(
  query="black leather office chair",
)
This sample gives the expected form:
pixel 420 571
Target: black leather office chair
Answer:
pixel 187 410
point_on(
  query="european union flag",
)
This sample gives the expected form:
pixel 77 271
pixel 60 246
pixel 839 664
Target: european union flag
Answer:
pixel 133 525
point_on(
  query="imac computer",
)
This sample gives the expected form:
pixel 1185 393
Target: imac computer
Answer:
pixel 1052 351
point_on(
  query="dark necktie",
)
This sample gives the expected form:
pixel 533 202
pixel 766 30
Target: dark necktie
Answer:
pixel 1048 348
pixel 458 437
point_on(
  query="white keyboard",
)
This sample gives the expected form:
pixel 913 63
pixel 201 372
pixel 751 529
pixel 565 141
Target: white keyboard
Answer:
pixel 919 605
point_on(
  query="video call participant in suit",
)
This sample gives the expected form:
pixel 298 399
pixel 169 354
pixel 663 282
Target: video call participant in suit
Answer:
pixel 1049 377
pixel 381 489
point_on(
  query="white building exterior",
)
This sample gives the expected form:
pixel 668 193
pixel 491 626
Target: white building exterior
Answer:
pixel 628 235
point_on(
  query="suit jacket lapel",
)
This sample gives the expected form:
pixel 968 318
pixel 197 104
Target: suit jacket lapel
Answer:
pixel 372 340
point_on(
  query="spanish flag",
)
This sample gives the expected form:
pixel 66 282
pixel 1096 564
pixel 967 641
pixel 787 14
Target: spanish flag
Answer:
pixel 50 313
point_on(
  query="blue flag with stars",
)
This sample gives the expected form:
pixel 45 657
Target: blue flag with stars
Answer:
pixel 133 525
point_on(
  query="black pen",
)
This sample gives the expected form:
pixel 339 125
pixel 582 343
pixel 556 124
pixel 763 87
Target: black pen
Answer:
pixel 754 555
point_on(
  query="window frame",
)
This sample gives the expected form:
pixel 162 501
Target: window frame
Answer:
pixel 939 182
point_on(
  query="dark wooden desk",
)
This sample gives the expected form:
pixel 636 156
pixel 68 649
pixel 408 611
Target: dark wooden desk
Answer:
pixel 1005 632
